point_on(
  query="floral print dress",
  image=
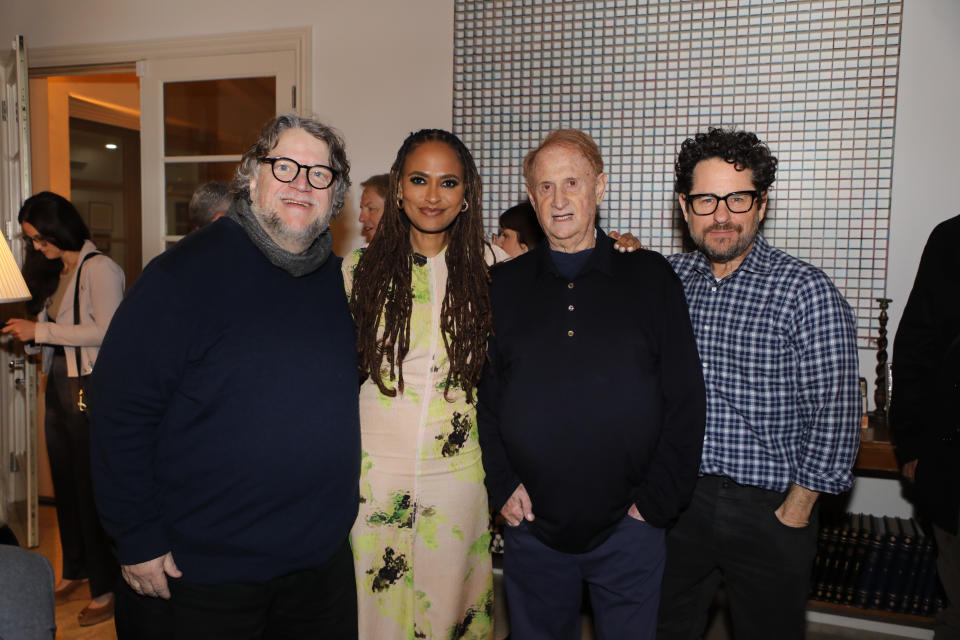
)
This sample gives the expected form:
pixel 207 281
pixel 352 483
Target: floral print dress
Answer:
pixel 420 542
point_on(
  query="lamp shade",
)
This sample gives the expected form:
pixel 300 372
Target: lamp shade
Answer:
pixel 12 286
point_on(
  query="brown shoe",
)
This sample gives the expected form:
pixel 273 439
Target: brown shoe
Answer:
pixel 90 616
pixel 65 589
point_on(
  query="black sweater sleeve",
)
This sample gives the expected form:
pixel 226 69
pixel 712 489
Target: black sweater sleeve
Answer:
pixel 670 479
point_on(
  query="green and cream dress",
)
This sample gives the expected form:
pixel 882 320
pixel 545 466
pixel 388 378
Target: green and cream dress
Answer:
pixel 420 542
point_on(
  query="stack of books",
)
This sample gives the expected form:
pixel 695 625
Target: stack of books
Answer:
pixel 873 562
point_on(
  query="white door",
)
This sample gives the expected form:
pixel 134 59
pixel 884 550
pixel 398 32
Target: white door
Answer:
pixel 198 115
pixel 18 374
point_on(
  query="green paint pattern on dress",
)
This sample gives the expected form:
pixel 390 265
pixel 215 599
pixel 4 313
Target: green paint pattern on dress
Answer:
pixel 400 513
pixel 456 532
pixel 420 284
pixel 477 621
pixel 481 545
pixel 428 523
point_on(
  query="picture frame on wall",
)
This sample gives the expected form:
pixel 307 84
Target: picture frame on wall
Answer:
pixel 101 217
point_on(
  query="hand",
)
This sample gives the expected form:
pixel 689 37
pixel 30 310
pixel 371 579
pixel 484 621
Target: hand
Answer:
pixel 796 507
pixel 518 507
pixel 909 471
pixel 22 330
pixel 626 243
pixel 635 513
pixel 150 578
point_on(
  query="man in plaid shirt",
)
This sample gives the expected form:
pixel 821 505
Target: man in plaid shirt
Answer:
pixel 777 343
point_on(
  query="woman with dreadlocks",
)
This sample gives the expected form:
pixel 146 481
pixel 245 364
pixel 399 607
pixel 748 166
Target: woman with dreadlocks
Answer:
pixel 419 297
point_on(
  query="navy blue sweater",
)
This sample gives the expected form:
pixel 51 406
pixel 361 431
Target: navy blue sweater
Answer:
pixel 593 397
pixel 226 427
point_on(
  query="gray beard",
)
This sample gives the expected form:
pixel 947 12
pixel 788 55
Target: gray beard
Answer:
pixel 295 242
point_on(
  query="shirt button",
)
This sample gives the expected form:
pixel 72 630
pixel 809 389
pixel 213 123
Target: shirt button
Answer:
pixel 570 308
pixel 705 366
pixel 569 285
pixel 706 327
pixel 570 333
pixel 713 288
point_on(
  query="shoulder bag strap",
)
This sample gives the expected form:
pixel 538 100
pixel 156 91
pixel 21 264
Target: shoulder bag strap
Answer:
pixel 76 304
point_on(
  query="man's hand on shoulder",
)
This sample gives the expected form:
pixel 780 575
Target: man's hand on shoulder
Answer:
pixel 626 243
pixel 150 578
pixel 518 507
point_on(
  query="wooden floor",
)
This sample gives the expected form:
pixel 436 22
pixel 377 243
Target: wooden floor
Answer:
pixel 67 627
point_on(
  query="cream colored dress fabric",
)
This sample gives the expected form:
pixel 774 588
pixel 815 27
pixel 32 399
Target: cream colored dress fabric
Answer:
pixel 420 542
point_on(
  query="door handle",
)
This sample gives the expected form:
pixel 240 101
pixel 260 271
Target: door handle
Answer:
pixel 16 364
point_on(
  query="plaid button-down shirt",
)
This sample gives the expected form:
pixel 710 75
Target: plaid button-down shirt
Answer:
pixel 778 347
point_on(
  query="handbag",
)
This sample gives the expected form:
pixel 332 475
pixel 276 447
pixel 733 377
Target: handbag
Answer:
pixel 78 385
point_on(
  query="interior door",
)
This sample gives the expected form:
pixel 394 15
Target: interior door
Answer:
pixel 198 116
pixel 18 374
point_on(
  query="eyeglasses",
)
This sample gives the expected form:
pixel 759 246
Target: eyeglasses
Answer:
pixel 320 176
pixel 38 240
pixel 705 204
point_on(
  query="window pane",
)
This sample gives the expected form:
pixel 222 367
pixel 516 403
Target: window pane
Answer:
pixel 216 117
pixel 182 179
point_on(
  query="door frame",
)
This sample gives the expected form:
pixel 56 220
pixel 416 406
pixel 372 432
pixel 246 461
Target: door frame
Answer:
pixel 100 58
pixel 45 61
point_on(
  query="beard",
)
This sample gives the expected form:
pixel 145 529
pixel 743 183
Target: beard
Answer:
pixel 293 240
pixel 726 253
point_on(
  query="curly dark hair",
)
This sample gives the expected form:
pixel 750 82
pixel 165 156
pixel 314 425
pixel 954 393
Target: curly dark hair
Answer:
pixel 743 149
pixel 382 290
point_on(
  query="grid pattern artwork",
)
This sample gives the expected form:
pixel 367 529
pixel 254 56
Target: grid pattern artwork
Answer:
pixel 816 80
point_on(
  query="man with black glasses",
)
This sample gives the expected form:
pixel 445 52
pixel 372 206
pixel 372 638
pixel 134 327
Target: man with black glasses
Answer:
pixel 226 436
pixel 778 346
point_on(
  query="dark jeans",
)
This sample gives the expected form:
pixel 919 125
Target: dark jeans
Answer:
pixel 544 586
pixel 730 534
pixel 947 626
pixel 320 602
pixel 86 547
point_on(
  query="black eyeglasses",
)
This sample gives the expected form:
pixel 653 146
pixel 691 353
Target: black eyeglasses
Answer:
pixel 320 176
pixel 705 204
pixel 37 240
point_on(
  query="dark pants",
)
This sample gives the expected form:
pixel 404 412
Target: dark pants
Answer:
pixel 86 547
pixel 320 602
pixel 947 626
pixel 544 586
pixel 730 534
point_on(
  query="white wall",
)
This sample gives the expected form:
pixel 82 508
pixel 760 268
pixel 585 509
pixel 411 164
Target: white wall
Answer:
pixel 926 170
pixel 381 69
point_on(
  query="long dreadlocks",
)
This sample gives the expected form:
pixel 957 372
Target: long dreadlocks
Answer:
pixel 382 291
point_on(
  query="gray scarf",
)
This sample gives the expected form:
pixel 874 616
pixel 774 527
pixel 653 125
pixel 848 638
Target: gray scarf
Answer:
pixel 297 265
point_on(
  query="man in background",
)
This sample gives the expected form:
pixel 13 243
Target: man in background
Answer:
pixel 209 202
pixel 778 347
pixel 925 406
pixel 372 201
pixel 226 436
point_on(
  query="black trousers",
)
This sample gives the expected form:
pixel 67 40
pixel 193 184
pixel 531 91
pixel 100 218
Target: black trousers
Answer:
pixel 319 602
pixel 86 546
pixel 730 534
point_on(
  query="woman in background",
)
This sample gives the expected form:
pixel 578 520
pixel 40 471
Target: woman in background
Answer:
pixel 60 244
pixel 519 229
pixel 419 296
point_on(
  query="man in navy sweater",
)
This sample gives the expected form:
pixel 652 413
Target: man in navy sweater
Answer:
pixel 226 443
pixel 591 411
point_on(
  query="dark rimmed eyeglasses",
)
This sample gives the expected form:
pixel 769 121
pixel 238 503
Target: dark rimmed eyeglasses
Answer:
pixel 319 176
pixel 37 240
pixel 705 204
